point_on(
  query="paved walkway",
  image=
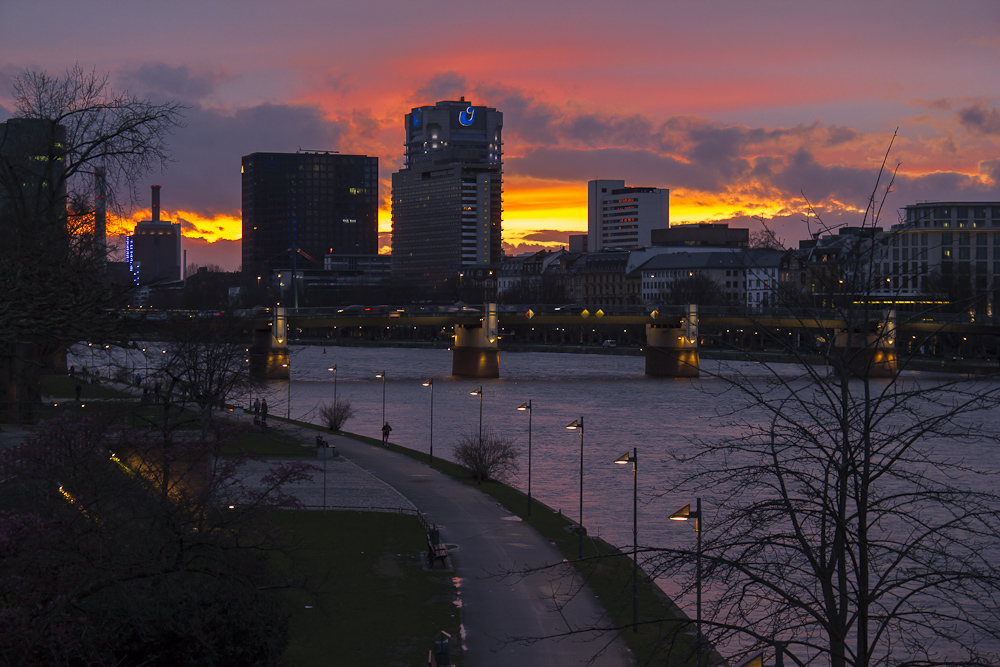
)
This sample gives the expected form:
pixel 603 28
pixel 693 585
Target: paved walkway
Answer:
pixel 485 543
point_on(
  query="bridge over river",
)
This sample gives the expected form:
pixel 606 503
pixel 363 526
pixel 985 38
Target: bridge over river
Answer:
pixel 672 334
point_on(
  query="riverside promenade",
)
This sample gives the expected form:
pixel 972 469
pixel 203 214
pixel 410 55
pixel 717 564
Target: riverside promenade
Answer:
pixel 486 544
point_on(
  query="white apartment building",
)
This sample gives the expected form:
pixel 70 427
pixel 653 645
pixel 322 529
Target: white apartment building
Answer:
pixel 620 217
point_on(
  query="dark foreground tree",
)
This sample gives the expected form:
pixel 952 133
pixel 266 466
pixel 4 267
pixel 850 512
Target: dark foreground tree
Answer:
pixel 844 516
pixel 100 565
pixel 204 365
pixel 73 143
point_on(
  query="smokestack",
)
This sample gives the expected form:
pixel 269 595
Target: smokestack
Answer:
pixel 156 202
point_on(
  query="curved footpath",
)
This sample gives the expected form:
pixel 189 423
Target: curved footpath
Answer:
pixel 485 542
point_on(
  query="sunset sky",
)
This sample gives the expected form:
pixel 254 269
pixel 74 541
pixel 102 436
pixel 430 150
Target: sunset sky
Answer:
pixel 741 109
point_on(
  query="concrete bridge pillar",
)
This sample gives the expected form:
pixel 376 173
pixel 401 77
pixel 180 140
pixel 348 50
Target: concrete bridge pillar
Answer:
pixel 476 353
pixel 870 353
pixel 269 349
pixel 672 349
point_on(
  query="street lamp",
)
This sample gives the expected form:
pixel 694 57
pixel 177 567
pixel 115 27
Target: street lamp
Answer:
pixel 382 375
pixel 527 407
pixel 430 383
pixel 479 468
pixel 334 369
pixel 683 514
pixel 634 460
pixel 288 408
pixel 579 545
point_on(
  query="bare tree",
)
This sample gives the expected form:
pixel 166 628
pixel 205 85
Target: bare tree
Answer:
pixel 844 525
pixel 204 364
pixel 73 140
pixel 336 413
pixel 492 456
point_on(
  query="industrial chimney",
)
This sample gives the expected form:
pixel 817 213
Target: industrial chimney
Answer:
pixel 156 203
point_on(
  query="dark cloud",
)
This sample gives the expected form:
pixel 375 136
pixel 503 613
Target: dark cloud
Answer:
pixel 204 175
pixel 547 236
pixel 636 167
pixel 841 135
pixel 442 86
pixel 938 104
pixel 525 119
pixel 980 119
pixel 178 82
pixel 803 175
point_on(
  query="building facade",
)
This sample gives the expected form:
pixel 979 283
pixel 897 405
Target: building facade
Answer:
pixel 943 248
pixel 447 200
pixel 153 251
pixel 300 207
pixel 623 218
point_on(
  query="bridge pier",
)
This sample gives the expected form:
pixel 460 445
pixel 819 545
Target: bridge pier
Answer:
pixel 870 354
pixel 672 350
pixel 269 349
pixel 476 353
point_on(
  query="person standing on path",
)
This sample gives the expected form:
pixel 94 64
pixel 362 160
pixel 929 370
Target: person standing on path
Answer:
pixel 386 430
pixel 263 413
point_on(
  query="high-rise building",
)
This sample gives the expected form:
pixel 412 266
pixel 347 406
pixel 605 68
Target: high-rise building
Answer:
pixel 154 249
pixel 32 174
pixel 300 207
pixel 447 199
pixel 620 217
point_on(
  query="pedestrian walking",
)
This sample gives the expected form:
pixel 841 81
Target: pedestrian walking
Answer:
pixel 256 407
pixel 263 413
pixel 386 430
pixel 79 388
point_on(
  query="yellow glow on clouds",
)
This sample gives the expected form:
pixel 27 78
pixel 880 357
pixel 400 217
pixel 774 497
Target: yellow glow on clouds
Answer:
pixel 218 227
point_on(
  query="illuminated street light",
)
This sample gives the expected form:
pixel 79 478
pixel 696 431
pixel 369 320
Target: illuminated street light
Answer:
pixel 683 514
pixel 288 411
pixel 527 407
pixel 479 468
pixel 334 369
pixel 580 529
pixel 430 383
pixel 382 375
pixel 625 459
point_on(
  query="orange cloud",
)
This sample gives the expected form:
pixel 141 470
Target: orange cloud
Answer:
pixel 209 227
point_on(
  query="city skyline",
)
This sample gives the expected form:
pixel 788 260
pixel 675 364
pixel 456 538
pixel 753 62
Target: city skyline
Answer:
pixel 740 109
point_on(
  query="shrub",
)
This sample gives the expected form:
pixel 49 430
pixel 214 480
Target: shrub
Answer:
pixel 336 414
pixel 492 458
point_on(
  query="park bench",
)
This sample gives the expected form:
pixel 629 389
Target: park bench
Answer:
pixel 436 550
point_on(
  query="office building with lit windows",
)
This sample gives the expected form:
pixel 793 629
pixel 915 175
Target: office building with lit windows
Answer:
pixel 300 207
pixel 623 218
pixel 942 248
pixel 447 198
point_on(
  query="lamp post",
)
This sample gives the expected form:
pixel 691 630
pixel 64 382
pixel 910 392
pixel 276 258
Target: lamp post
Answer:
pixel 334 369
pixel 634 460
pixel 683 514
pixel 288 402
pixel 479 468
pixel 572 427
pixel 430 383
pixel 382 375
pixel 527 407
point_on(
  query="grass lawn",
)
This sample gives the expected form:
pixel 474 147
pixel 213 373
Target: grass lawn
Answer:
pixel 368 599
